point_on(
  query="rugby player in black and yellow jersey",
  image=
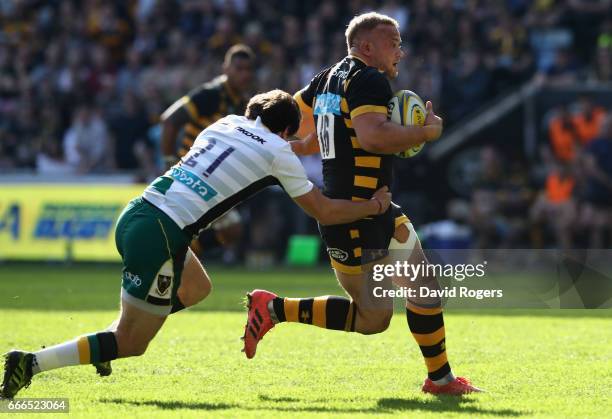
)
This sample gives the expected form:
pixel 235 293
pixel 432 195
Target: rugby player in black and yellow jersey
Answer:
pixel 345 105
pixel 225 95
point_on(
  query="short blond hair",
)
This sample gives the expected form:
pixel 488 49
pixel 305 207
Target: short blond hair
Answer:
pixel 365 23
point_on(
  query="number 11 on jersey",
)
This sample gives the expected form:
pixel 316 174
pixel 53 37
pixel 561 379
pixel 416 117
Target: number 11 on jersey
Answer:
pixel 325 134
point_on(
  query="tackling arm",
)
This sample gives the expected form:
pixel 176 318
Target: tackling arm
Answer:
pixel 340 211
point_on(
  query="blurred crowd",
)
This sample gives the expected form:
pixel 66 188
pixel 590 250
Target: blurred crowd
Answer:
pixel 96 74
pixel 83 83
pixel 562 200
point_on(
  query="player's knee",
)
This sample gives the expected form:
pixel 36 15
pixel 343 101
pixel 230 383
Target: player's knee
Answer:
pixel 384 321
pixel 128 346
pixel 138 349
pixel 195 292
pixel 374 322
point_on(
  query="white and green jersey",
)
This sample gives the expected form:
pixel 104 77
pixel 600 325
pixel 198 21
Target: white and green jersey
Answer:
pixel 230 160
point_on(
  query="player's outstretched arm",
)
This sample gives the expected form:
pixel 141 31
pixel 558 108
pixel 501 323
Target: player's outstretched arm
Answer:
pixel 377 134
pixel 340 211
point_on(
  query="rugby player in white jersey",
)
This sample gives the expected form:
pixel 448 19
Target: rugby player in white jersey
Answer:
pixel 231 160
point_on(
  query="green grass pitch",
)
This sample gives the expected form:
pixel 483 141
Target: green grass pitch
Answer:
pixel 532 363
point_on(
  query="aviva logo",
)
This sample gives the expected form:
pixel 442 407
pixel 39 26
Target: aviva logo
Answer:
pixel 77 221
pixel 327 103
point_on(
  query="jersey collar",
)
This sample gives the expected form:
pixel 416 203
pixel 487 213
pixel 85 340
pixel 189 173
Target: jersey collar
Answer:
pixel 354 57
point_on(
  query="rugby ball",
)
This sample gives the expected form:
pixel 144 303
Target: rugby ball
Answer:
pixel 407 108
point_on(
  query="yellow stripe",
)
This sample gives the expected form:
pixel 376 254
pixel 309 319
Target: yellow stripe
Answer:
pixel 292 306
pixel 348 123
pixel 368 109
pixel 424 311
pixel 191 108
pixel 434 363
pixel 300 101
pixel 83 347
pixel 355 142
pixel 401 220
pixel 354 233
pixel 358 198
pixel 351 270
pixel 193 130
pixel 349 318
pixel 357 252
pixel 344 106
pixel 318 311
pixel 370 161
pixel 366 182
pixel 429 339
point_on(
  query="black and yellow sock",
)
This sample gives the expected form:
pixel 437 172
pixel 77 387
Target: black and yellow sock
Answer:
pixel 328 312
pixel 427 327
pixel 100 347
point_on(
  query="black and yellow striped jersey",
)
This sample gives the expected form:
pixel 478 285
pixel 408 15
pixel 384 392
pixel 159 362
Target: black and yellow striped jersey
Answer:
pixel 206 104
pixel 336 96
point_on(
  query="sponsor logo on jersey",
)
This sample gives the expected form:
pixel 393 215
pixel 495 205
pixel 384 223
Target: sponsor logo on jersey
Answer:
pixel 203 189
pixel 251 135
pixel 327 103
pixel 341 74
pixel 337 254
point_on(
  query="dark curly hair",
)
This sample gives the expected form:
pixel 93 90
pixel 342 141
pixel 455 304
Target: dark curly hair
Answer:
pixel 277 110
